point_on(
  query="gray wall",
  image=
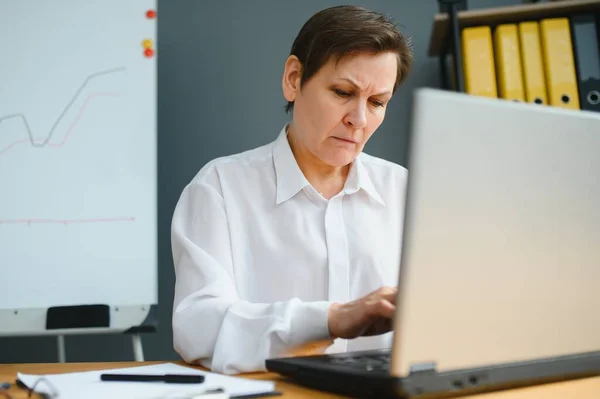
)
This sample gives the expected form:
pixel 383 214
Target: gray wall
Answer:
pixel 219 92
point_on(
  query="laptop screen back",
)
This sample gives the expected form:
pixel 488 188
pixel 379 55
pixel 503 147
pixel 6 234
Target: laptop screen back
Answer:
pixel 501 251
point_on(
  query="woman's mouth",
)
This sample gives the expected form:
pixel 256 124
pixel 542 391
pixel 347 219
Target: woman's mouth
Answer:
pixel 348 141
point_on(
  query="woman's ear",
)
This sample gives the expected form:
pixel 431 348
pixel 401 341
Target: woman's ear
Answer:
pixel 292 75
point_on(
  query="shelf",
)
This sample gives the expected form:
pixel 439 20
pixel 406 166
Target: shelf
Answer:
pixel 494 16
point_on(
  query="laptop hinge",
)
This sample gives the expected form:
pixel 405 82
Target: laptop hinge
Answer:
pixel 422 368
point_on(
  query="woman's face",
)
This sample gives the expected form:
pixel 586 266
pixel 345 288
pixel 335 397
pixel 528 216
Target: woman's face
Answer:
pixel 341 106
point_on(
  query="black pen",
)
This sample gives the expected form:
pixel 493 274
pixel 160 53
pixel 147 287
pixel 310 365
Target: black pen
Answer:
pixel 169 378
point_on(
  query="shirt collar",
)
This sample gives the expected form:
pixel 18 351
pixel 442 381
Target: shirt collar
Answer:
pixel 290 178
pixel 358 178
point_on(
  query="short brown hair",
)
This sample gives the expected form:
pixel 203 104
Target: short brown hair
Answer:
pixel 341 31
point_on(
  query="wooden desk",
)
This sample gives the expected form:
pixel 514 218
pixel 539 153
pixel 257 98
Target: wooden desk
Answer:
pixel 588 388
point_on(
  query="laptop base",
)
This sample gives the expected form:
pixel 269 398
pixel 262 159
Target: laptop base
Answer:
pixel 343 374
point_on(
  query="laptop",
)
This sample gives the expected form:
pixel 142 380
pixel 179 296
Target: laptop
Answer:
pixel 499 282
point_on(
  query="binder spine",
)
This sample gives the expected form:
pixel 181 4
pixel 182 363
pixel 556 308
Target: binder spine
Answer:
pixel 508 62
pixel 534 82
pixel 478 64
pixel 587 60
pixel 559 63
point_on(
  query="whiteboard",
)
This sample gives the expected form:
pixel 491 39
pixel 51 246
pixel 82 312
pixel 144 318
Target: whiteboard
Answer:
pixel 77 162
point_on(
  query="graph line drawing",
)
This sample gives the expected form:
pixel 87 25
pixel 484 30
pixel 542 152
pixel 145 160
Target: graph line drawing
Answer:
pixel 69 130
pixel 46 142
pixel 64 111
pixel 66 222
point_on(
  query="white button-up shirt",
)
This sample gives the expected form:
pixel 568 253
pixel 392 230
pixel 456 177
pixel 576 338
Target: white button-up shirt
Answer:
pixel 260 255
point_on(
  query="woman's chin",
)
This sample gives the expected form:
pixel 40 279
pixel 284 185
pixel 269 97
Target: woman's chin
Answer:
pixel 339 158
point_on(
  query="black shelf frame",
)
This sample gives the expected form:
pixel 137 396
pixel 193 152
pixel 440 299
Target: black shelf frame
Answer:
pixel 454 41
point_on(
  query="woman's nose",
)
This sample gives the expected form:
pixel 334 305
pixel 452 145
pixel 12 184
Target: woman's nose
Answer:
pixel 357 116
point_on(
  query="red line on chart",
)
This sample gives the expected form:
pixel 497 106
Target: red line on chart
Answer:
pixel 69 130
pixel 66 222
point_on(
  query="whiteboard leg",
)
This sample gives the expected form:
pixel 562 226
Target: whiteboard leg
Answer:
pixel 62 357
pixel 138 351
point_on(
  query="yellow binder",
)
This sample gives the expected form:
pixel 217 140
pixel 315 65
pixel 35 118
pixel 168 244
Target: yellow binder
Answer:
pixel 478 61
pixel 508 62
pixel 557 50
pixel 534 80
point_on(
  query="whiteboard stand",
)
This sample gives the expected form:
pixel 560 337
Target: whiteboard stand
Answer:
pixel 61 321
pixel 136 341
pixel 62 356
pixel 138 350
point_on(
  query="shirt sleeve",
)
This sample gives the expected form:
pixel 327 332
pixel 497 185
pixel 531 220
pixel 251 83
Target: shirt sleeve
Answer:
pixel 211 324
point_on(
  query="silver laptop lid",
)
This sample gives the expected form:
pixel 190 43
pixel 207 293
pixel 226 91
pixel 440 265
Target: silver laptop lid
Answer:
pixel 501 252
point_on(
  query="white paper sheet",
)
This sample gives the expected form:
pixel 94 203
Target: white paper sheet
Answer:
pixel 87 385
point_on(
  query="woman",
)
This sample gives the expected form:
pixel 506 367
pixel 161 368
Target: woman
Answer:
pixel 299 240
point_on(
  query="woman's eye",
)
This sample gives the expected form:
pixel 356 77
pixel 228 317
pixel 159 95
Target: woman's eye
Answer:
pixel 377 103
pixel 341 93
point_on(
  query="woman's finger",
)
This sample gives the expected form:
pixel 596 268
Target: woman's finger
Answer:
pixel 385 309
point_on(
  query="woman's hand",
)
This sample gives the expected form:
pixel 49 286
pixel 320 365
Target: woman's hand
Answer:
pixel 369 315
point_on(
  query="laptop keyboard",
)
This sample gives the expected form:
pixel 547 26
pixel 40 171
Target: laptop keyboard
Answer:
pixel 373 362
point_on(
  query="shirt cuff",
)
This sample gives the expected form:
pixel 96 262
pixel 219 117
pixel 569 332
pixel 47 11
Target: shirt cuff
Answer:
pixel 310 322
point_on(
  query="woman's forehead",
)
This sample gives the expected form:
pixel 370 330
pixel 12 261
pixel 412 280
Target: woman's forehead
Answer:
pixel 363 69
